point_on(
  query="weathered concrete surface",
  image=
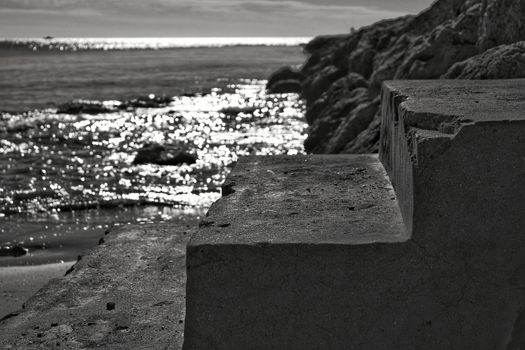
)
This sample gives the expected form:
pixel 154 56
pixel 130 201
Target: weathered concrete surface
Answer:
pixel 254 283
pixel 128 293
pixel 454 151
pixel 293 199
pixel 279 261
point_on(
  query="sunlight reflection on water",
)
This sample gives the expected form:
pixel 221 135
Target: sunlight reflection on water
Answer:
pixel 52 162
pixel 73 44
pixel 67 178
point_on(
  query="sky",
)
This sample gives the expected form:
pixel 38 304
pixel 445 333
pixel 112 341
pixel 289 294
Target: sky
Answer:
pixel 194 18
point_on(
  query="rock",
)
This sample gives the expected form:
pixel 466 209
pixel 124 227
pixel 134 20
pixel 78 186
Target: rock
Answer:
pixel 502 22
pixel 284 73
pixel 319 82
pixel 285 86
pixel 286 79
pixel 84 107
pixel 446 44
pixel 425 46
pixel 150 101
pixel 180 158
pixel 323 42
pixel 361 61
pixel 503 62
pixel 110 306
pixel 20 127
pixel 153 153
pixel 351 127
pixel 325 125
pixel 234 111
pixel 337 92
pixel 150 153
pixel 368 140
pixel 97 107
pixel 14 251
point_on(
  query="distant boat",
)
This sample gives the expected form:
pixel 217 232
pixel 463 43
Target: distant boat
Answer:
pixel 48 37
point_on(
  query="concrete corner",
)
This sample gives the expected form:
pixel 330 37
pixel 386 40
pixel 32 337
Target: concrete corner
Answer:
pixel 454 151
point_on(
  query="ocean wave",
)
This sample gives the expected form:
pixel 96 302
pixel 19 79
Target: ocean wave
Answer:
pixel 106 44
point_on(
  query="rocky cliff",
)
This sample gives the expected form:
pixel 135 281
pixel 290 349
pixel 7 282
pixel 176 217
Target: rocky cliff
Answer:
pixel 342 76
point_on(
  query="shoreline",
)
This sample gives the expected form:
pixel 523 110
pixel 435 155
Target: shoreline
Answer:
pixel 19 283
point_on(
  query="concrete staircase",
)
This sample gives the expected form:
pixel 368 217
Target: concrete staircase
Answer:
pixel 320 252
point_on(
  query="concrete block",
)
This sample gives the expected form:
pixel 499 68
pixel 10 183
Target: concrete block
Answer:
pixel 310 252
pixel 455 152
pixel 288 260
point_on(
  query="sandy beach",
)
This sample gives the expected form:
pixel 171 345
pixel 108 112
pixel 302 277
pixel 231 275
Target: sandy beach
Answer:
pixel 19 283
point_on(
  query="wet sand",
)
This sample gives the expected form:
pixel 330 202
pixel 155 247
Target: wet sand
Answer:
pixel 19 283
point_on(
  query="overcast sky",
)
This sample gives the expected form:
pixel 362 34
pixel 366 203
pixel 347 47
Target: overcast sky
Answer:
pixel 194 18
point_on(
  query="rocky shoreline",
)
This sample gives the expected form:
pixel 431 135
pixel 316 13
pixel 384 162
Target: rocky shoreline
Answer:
pixel 342 77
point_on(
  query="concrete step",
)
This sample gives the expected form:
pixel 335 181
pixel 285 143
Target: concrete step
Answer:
pixel 310 252
pixel 455 151
pixel 294 254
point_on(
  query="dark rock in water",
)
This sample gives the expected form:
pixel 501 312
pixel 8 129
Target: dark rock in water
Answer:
pixel 501 62
pixel 20 127
pixel 342 77
pixel 85 107
pixel 150 101
pixel 163 155
pixel 149 153
pixel 14 251
pixel 286 79
pixel 96 107
pixel 179 158
pixel 234 111
pixel 284 73
pixel 286 86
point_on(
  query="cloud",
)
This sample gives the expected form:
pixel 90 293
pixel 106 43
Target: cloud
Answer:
pixel 146 6
pixel 204 17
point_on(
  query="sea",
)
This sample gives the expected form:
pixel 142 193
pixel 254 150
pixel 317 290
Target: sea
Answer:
pixel 67 173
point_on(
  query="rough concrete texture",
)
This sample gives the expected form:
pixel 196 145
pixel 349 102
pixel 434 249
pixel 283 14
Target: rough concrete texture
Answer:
pixel 454 152
pixel 457 290
pixel 128 293
pixel 300 195
pixel 274 260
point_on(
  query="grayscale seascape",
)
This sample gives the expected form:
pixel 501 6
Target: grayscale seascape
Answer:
pixel 74 119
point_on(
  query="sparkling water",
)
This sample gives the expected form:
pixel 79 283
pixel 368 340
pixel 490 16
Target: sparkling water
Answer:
pixel 68 177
